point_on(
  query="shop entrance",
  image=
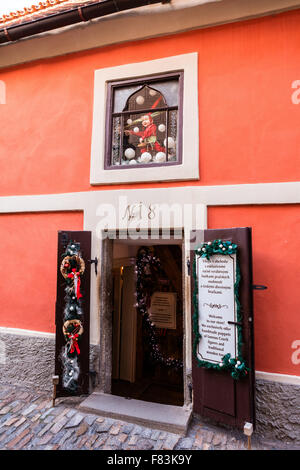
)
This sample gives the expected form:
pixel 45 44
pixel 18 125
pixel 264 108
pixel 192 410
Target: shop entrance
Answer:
pixel 147 361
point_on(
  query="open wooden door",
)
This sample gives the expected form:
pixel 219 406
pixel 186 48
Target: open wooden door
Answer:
pixel 223 389
pixel 72 316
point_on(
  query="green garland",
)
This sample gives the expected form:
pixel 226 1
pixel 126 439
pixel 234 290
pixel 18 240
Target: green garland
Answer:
pixel 236 366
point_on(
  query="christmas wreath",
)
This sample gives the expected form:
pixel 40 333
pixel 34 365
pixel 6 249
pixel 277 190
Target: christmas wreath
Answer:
pixel 72 330
pixel 72 267
pixel 72 262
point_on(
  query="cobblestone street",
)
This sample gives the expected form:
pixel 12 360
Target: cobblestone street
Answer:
pixel 28 421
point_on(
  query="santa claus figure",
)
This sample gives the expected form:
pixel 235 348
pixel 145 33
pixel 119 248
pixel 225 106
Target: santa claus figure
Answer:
pixel 148 139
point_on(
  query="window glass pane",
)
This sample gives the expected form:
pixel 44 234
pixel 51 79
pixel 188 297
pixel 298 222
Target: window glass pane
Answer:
pixel 145 98
pixel 144 128
pixel 169 89
pixel 172 136
pixel 145 138
pixel 116 141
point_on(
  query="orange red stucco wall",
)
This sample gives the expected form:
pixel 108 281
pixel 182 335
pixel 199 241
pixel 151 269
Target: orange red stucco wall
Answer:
pixel 276 261
pixel 249 127
pixel 28 253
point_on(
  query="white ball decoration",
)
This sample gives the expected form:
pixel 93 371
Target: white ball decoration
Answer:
pixel 161 128
pixel 129 122
pixel 152 92
pixel 136 129
pixel 160 157
pixel 129 153
pixel 132 162
pixel 171 142
pixel 145 157
pixel 140 99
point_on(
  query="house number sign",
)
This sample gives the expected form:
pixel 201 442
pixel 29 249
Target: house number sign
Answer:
pixel 136 211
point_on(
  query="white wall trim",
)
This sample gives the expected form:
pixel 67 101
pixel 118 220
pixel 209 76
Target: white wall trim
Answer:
pixel 189 168
pixel 175 17
pixel 280 378
pixel 240 194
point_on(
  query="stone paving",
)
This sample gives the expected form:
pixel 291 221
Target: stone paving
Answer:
pixel 29 422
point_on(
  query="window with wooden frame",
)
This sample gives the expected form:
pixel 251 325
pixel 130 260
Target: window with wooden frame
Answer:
pixel 144 122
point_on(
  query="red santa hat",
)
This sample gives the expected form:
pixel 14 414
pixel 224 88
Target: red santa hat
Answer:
pixel 156 102
pixel 149 115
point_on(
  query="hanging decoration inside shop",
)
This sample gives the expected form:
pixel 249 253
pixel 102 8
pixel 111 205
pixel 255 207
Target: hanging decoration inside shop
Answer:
pixel 147 268
pixel 72 268
pixel 217 320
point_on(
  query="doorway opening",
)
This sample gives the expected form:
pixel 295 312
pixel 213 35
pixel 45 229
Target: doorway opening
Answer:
pixel 136 372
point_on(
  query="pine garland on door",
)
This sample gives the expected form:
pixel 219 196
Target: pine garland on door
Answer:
pixel 72 268
pixel 146 266
pixel 235 365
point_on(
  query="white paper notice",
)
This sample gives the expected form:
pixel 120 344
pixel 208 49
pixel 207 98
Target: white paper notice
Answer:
pixel 217 307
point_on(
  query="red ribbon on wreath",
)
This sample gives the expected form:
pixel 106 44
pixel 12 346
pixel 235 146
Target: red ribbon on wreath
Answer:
pixel 76 278
pixel 74 344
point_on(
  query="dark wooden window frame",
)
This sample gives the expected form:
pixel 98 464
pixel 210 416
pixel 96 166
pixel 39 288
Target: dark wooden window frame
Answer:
pixel 142 81
pixel 106 309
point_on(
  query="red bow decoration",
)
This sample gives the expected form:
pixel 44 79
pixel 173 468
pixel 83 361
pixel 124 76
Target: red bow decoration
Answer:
pixel 74 344
pixel 76 278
